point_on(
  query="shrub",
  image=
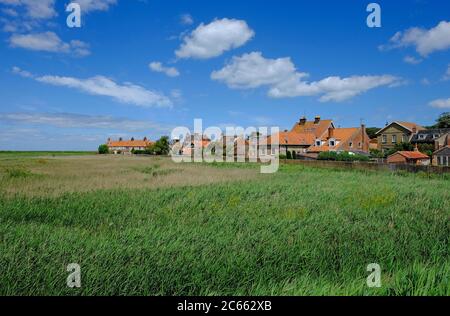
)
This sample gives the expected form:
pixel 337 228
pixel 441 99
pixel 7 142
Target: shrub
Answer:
pixel 288 155
pixel 341 156
pixel 103 149
pixel 294 155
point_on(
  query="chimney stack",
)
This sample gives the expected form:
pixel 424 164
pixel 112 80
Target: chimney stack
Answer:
pixel 414 129
pixel 302 120
pixel 330 132
pixel 317 119
pixel 120 139
pixel 145 139
pixel 363 135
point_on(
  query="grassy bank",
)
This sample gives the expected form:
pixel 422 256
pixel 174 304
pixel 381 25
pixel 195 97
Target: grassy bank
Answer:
pixel 210 230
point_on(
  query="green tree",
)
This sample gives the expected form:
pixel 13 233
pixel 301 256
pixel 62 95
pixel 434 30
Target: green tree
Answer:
pixel 371 131
pixel 103 149
pixel 160 147
pixel 443 120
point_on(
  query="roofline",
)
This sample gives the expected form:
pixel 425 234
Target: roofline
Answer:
pixel 441 149
pixel 400 152
pixel 391 124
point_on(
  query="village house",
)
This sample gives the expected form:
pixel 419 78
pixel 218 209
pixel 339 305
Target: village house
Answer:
pixel 429 136
pixel 309 138
pixel 127 146
pixel 441 157
pixel 396 133
pixel 409 157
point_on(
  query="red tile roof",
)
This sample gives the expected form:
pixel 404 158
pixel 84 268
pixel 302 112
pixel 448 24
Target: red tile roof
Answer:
pixel 317 129
pixel 293 138
pixel 129 143
pixel 412 154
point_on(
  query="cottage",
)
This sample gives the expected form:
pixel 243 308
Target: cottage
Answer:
pixel 441 157
pixel 408 157
pixel 308 138
pixel 396 133
pixel 352 139
pixel 127 146
pixel 429 136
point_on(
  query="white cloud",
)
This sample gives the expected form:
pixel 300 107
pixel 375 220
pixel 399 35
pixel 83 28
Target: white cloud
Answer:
pixel 26 74
pixel 71 120
pixel 100 85
pixel 42 9
pixel 215 38
pixel 412 60
pixel 49 42
pixel 186 19
pixel 158 67
pixel 441 103
pixel 283 80
pixel 95 5
pixel 425 41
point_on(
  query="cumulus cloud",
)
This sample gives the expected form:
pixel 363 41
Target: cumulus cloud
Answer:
pixel 283 80
pixel 100 85
pixel 158 67
pixel 214 39
pixel 441 103
pixel 425 41
pixel 72 120
pixel 49 42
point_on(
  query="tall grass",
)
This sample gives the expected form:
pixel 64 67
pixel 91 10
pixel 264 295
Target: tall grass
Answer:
pixel 301 231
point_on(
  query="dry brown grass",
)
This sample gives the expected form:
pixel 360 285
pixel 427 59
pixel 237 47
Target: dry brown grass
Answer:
pixel 58 175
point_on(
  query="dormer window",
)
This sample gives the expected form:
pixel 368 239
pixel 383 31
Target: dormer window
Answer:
pixel 435 136
pixel 318 142
pixel 350 145
pixel 422 136
pixel 332 142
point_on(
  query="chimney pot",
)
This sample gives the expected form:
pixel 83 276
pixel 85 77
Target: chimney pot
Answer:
pixel 302 120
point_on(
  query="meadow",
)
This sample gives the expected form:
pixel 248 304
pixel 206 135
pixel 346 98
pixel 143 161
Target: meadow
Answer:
pixel 148 226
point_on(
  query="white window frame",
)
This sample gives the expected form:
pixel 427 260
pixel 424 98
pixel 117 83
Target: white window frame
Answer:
pixel 394 139
pixel 384 138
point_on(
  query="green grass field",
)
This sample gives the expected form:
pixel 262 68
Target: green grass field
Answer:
pixel 147 226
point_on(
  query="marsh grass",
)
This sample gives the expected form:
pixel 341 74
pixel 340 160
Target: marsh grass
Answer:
pixel 221 231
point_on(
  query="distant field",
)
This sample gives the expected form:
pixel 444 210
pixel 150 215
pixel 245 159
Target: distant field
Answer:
pixel 148 226
pixel 43 153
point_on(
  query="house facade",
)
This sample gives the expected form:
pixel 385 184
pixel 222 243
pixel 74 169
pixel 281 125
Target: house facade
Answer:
pixel 441 157
pixel 127 146
pixel 307 139
pixel 396 133
pixel 409 157
pixel 429 136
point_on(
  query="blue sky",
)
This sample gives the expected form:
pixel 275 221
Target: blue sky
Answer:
pixel 140 68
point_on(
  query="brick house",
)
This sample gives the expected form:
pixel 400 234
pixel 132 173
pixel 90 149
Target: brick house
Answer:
pixel 396 133
pixel 409 157
pixel 441 157
pixel 126 146
pixel 308 138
